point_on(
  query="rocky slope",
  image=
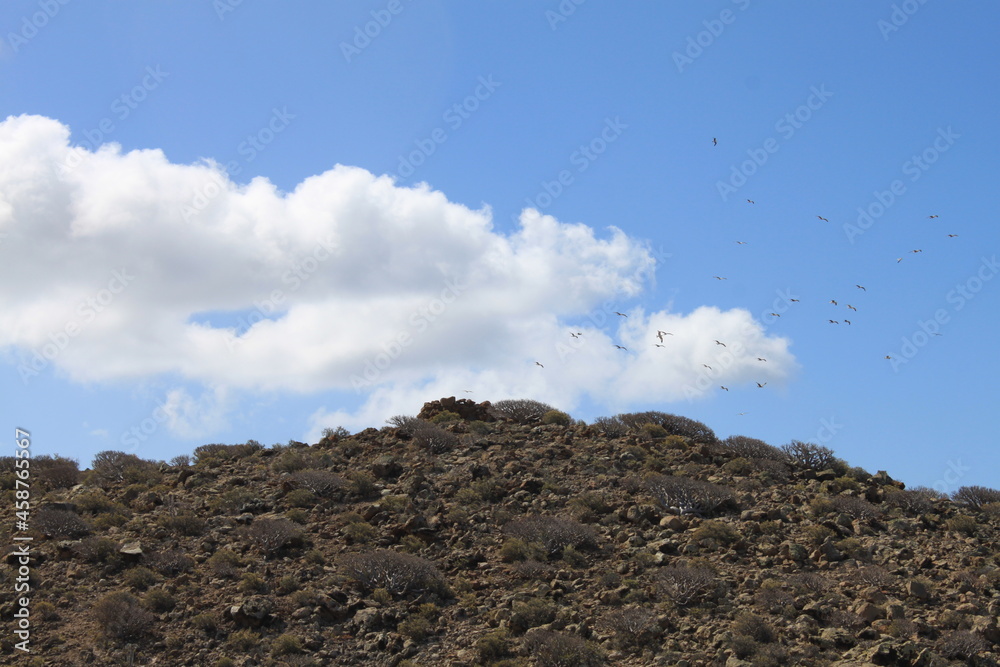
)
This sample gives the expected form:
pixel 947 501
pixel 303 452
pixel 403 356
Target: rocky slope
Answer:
pixel 502 535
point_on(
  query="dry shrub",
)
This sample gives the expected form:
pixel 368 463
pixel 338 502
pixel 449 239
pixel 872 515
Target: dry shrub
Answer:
pixel 521 410
pixel 272 535
pixel 396 572
pixel 918 500
pixel 961 645
pixel 111 467
pixel 672 424
pixel 553 533
pixel 120 615
pixel 321 482
pixel 558 649
pixel 690 496
pixel 611 427
pixel 683 584
pixel 976 496
pixel 741 446
pixel 59 524
pixel 226 452
pixel 856 508
pixel 171 562
pixel 632 625
pixel 873 575
pixel 811 456
pixel 56 472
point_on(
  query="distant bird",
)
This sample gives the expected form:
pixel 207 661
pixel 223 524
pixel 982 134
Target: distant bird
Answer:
pixel 951 236
pixel 751 201
pixel 721 387
pixel 538 364
pixel 860 287
pixel 852 308
pixel 620 314
pixel 761 359
pixel 718 277
pixel 934 216
pixel 715 142
pixel 707 366
pixel 937 334
pixel 467 391
pixel 833 321
pixel 898 260
pixel 822 218
pixel 741 243
pixel 657 345
pixel 887 357
pixel 761 386
pixel 793 301
pixel 720 343
pixel 574 335
pixel 848 321
pixel 661 334
pixel 774 314
pixel 833 301
pixel 740 414
pixel 620 347
pixel 916 251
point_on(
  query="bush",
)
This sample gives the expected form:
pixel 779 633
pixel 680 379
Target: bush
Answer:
pixel 252 583
pixel 183 523
pixel 552 533
pixel 753 626
pixel 811 456
pixel 856 508
pixel 919 500
pixel 961 645
pixel 673 424
pixel 206 622
pixel 97 550
pixel 493 646
pixel 140 578
pixel 300 498
pixel 159 600
pixel 751 448
pixel 171 562
pixel 632 625
pixel 557 417
pixel 225 563
pixel 56 472
pixel 181 461
pixel 321 482
pixel 272 535
pixel 112 467
pixel 649 431
pixel 285 645
pixel 558 649
pixel 445 416
pixel 59 524
pixel 690 496
pixel 684 584
pixel 963 524
pixel 396 572
pixel 416 627
pixel 611 427
pixel 521 410
pixel 220 453
pixel 119 615
pixel 976 496
pixel 715 533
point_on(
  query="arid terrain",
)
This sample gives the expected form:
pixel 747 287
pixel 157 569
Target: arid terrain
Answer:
pixel 504 535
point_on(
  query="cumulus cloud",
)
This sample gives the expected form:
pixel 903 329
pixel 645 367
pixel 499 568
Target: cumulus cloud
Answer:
pixel 125 266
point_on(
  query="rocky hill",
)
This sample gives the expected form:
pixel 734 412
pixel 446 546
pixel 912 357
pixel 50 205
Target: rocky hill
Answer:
pixel 504 535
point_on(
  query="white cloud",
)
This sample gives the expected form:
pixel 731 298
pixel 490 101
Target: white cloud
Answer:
pixel 346 282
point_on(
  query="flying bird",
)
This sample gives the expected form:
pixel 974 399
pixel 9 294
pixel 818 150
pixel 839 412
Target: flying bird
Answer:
pixel 833 321
pixel 951 236
pixel 887 357
pixel 761 386
pixel 715 142
pixel 934 216
pixel 822 218
pixel 657 345
pixel 721 387
pixel 898 260
pixel 740 414
pixel 620 314
pixel 661 334
pixel 761 359
pixel 718 277
pixel 574 335
pixel 860 287
pixel 794 300
pixel 774 314
pixel 741 243
pixel 621 347
pixel 538 364
pixel 848 321
pixel 707 366
pixel 720 343
pixel 467 391
pixel 833 301
pixel 916 251
pixel 852 308
pixel 751 201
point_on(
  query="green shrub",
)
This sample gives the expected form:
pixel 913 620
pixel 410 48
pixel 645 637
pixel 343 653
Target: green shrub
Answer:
pixel 963 524
pixel 300 498
pixel 416 627
pixel 140 578
pixel 715 533
pixel 119 615
pixel 445 416
pixel 557 417
pixel 244 640
pixel 225 563
pixel 158 600
pixel 650 431
pixel 286 645
pixel 252 583
pixel 206 622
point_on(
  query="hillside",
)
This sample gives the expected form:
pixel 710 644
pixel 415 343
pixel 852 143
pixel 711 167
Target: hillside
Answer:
pixel 502 535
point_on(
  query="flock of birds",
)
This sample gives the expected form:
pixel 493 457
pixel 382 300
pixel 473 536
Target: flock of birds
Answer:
pixel 660 335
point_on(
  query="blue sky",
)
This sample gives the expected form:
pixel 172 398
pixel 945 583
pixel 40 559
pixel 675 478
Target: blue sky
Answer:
pixel 232 220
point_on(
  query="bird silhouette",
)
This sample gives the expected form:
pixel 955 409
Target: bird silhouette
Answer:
pixel 774 314
pixel 721 387
pixel 833 321
pixel 852 308
pixel 848 321
pixel 751 201
pixel 898 260
pixel 740 414
pixel 661 334
pixel 720 343
pixel 741 243
pixel 934 216
pixel 761 386
pixel 761 359
pixel 951 236
pixel 718 277
pixel 833 301
pixel 715 142
pixel 860 287
pixel 916 251
pixel 467 391
pixel 822 218
pixel 538 364
pixel 575 335
pixel 887 357
pixel 620 314
pixel 794 300
pixel 621 347
pixel 657 345
pixel 707 366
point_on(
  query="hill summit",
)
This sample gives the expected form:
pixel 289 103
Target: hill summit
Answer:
pixel 504 534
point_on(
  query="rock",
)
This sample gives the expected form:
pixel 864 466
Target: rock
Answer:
pixel 917 589
pixel 465 408
pixel 131 551
pixel 253 612
pixel 868 612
